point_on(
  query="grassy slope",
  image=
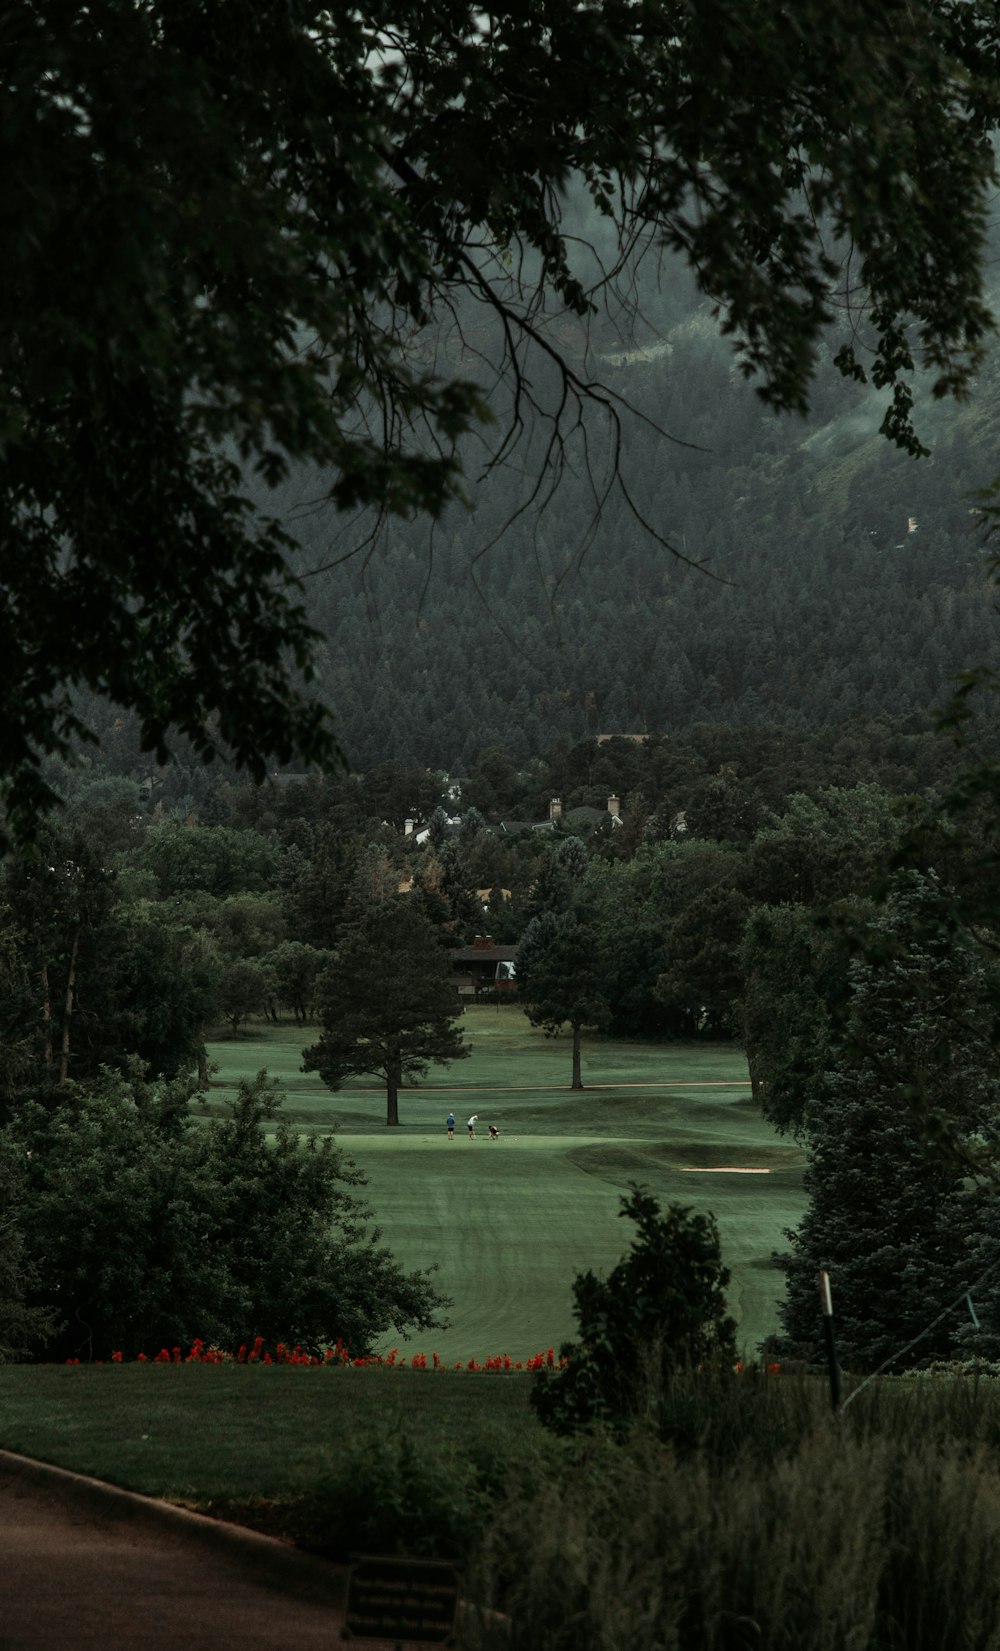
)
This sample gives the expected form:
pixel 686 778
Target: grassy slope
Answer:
pixel 219 1434
pixel 510 1224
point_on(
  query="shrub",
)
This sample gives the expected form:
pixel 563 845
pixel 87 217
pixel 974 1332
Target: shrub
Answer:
pixel 662 1309
pixel 392 1495
pixel 141 1226
pixel 385 1496
pixel 850 1539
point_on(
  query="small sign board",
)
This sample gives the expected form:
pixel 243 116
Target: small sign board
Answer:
pixel 410 1601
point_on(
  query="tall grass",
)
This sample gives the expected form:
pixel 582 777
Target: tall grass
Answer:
pixel 879 1531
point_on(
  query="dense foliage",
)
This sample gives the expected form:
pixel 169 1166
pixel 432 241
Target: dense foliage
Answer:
pixel 137 1224
pixel 249 240
pixel 559 976
pixel 386 1003
pixel 846 586
pixel 910 1071
pixel 661 1310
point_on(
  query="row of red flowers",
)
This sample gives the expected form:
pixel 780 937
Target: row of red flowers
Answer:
pixel 203 1353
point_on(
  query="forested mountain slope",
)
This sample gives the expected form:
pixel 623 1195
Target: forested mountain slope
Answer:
pixel 838 577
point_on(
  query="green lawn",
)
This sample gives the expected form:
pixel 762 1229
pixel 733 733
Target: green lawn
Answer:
pixel 224 1434
pixel 509 1224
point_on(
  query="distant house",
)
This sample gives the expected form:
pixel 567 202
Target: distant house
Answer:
pixel 483 967
pixel 584 819
pixel 420 834
pixel 520 828
pixel 593 818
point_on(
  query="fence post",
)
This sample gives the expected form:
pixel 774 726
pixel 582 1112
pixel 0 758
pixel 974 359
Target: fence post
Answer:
pixel 826 1301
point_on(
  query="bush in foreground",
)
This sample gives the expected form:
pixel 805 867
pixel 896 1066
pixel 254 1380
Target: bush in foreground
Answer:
pixel 660 1311
pixel 879 1531
pixel 141 1225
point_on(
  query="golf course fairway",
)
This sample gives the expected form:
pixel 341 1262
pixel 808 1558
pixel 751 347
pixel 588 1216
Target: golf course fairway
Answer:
pixel 509 1223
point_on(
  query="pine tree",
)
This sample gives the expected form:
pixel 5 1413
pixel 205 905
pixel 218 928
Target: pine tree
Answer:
pixel 913 1074
pixel 388 1006
pixel 559 978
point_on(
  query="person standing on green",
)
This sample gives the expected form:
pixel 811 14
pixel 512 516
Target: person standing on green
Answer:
pixel 451 1126
pixel 472 1126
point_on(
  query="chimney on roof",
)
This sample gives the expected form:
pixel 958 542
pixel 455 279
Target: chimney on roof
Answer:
pixel 408 828
pixel 614 807
pixel 555 808
pixel 482 942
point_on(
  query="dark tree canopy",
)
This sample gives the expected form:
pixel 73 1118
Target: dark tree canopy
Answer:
pixel 230 233
pixel 560 979
pixel 387 1002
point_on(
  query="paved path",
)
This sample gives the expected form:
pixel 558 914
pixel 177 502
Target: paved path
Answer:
pixel 84 1566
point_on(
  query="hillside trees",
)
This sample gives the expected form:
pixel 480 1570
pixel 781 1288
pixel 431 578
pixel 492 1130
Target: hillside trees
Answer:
pixel 263 242
pixel 387 1003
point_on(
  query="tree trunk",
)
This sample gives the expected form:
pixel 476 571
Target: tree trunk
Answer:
pixel 68 1010
pixel 47 1022
pixel 393 1077
pixel 202 1066
pixel 577 1079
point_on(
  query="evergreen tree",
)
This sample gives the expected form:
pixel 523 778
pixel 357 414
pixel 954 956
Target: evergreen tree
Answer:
pixel 437 827
pixel 387 1003
pixel 571 857
pixel 704 979
pixel 795 981
pixel 559 978
pixel 890 1215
